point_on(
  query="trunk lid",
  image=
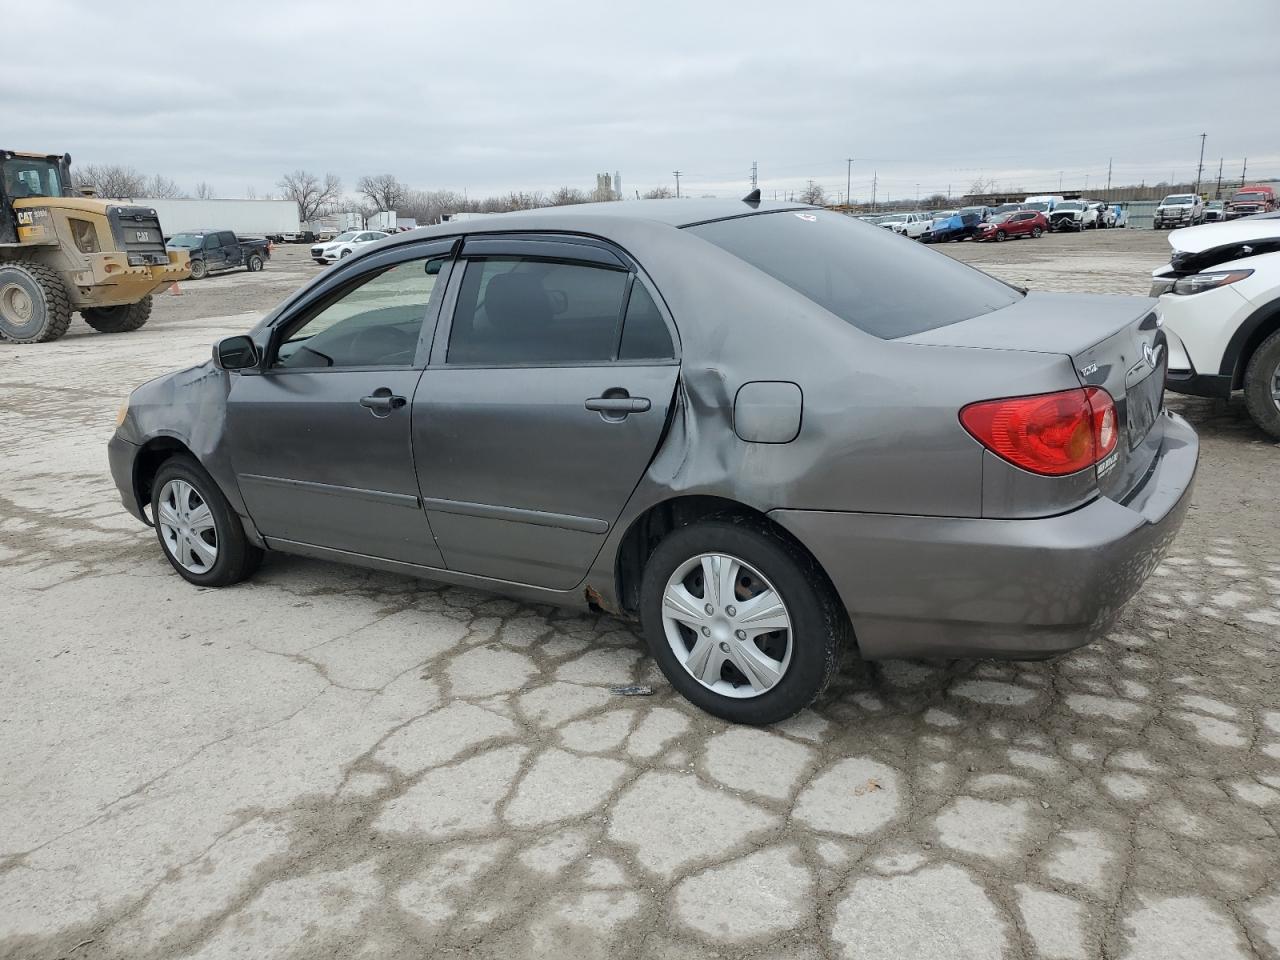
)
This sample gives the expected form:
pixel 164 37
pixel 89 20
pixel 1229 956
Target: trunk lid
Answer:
pixel 1112 342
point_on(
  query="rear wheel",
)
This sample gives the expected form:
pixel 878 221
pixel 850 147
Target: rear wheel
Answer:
pixel 34 306
pixel 254 263
pixel 1262 385
pixel 741 621
pixel 121 319
pixel 198 531
pixel 199 270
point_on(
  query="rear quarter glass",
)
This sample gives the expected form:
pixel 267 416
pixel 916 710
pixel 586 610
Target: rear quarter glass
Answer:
pixel 865 275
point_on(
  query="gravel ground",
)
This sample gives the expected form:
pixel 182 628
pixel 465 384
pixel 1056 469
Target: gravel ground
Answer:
pixel 328 762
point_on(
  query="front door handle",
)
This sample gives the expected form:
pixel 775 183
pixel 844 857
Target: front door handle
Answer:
pixel 382 401
pixel 619 405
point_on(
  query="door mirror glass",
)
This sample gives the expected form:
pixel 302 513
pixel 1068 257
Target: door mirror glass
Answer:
pixel 235 353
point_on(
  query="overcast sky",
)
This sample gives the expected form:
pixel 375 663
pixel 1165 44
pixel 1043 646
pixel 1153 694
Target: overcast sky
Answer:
pixel 495 96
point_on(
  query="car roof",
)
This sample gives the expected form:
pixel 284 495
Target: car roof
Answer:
pixel 581 216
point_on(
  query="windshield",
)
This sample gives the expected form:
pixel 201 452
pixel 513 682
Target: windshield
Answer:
pixel 1040 205
pixel 944 214
pixel 31 177
pixel 1177 199
pixel 865 277
pixel 344 237
pixel 1248 197
pixel 1215 204
pixel 1000 218
pixel 972 209
pixel 186 241
pixel 1070 205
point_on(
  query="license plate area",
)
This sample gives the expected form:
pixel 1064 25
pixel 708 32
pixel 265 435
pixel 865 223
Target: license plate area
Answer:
pixel 1145 400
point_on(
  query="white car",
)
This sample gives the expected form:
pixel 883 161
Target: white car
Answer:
pixel 911 225
pixel 345 244
pixel 1220 307
pixel 1179 210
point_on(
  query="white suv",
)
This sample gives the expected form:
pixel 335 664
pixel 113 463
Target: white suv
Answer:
pixel 1220 305
pixel 345 244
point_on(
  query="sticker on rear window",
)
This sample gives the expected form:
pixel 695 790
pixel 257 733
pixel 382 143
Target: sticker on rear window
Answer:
pixel 807 217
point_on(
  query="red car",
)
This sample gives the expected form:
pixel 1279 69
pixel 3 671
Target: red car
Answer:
pixel 1008 226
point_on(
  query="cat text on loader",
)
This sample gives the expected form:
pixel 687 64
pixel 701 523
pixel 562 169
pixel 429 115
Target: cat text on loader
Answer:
pixel 61 252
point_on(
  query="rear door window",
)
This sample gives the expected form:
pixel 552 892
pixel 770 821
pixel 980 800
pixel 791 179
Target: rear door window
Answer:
pixel 513 310
pixel 857 272
pixel 228 239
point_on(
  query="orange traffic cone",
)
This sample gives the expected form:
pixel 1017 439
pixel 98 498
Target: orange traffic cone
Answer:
pixel 174 289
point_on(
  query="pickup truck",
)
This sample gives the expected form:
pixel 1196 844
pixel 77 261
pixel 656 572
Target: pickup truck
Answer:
pixel 1179 210
pixel 213 250
pixel 1247 201
pixel 911 225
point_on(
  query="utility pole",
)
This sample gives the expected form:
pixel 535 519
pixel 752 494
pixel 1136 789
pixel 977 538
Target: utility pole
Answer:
pixel 677 173
pixel 1059 181
pixel 1243 170
pixel 1108 178
pixel 917 196
pixel 1217 192
pixel 848 180
pixel 875 179
pixel 753 174
pixel 1200 166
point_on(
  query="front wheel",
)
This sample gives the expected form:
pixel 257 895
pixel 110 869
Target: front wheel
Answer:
pixel 199 533
pixel 1000 236
pixel 741 621
pixel 199 270
pixel 121 319
pixel 345 254
pixel 1262 385
pixel 1036 233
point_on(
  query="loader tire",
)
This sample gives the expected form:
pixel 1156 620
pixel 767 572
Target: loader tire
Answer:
pixel 34 306
pixel 121 319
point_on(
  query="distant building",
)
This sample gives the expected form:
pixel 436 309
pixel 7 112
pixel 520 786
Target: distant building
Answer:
pixel 617 185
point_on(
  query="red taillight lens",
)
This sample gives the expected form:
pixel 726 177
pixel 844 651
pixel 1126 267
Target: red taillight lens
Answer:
pixel 1051 433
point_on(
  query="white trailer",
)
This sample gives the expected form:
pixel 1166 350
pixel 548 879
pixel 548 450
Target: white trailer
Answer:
pixel 247 218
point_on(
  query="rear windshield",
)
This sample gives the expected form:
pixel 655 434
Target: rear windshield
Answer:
pixel 868 278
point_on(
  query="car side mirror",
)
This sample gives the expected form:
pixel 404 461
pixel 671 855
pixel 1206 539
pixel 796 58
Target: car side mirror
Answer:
pixel 235 353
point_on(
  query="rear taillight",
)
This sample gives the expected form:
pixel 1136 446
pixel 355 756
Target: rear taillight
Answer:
pixel 1050 433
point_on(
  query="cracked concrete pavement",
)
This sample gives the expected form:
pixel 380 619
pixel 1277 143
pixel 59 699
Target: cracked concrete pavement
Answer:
pixel 331 762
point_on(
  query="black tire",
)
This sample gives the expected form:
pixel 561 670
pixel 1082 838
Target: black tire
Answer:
pixel 34 305
pixel 237 558
pixel 254 263
pixel 818 623
pixel 344 254
pixel 122 319
pixel 1260 376
pixel 199 270
pixel 1036 233
pixel 319 260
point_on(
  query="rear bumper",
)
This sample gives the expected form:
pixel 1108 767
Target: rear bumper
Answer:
pixel 1019 589
pixel 121 455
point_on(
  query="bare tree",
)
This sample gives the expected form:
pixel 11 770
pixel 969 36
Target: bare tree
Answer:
pixel 309 193
pixel 384 191
pixel 981 187
pixel 658 193
pixel 566 196
pixel 813 194
pixel 204 191
pixel 111 180
pixel 936 201
pixel 162 188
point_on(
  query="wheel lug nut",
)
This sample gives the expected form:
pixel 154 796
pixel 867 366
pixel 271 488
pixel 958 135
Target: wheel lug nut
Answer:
pixel 706 631
pixel 741 634
pixel 731 611
pixel 710 609
pixel 724 646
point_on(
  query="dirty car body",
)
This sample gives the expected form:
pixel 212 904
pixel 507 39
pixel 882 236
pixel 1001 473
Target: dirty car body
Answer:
pixel 578 391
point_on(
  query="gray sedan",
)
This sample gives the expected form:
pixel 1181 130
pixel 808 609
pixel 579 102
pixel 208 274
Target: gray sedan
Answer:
pixel 768 432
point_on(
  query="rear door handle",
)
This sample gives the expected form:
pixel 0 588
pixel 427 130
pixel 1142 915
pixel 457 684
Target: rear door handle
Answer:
pixel 382 401
pixel 622 405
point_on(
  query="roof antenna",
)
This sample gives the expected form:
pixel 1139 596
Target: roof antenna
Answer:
pixel 753 197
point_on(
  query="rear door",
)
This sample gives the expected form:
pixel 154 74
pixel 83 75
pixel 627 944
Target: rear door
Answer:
pixel 233 253
pixel 321 434
pixel 545 399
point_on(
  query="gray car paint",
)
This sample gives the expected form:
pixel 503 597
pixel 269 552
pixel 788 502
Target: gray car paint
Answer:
pixel 880 444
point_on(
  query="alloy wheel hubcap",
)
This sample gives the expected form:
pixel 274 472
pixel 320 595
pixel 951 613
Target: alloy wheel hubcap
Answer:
pixel 1275 386
pixel 187 527
pixel 727 626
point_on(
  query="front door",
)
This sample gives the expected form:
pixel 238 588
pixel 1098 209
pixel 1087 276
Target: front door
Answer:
pixel 541 409
pixel 322 433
